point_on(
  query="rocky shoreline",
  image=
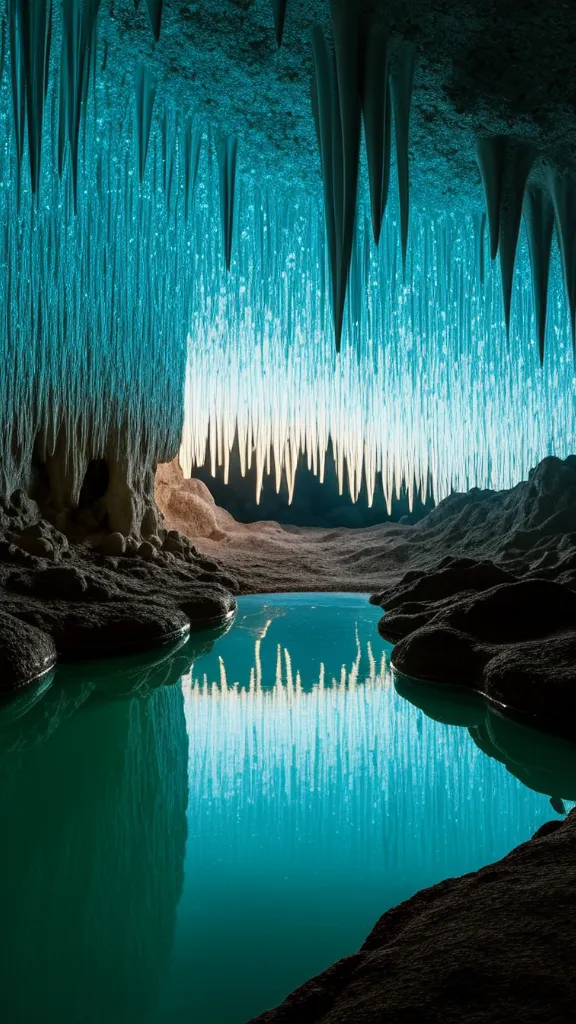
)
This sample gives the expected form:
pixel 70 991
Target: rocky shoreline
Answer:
pixel 62 599
pixel 490 947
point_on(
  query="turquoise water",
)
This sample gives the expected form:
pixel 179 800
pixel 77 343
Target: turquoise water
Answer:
pixel 188 837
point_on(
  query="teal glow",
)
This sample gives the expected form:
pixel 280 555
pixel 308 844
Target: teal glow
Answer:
pixel 113 272
pixel 192 851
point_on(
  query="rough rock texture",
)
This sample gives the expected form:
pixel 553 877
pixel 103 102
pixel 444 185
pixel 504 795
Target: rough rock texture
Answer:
pixel 504 627
pixel 482 67
pixel 111 594
pixel 494 946
pixel 26 654
pixel 528 530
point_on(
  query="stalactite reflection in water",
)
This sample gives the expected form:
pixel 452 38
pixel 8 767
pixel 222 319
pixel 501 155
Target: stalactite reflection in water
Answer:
pixel 93 806
pixel 300 729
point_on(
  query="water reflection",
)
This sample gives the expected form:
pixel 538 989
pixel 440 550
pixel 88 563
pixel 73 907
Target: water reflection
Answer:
pixel 93 796
pixel 177 852
pixel 542 762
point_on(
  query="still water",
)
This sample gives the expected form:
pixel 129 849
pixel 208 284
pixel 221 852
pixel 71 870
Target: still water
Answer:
pixel 186 838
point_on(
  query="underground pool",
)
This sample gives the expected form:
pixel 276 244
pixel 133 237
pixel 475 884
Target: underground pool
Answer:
pixel 189 836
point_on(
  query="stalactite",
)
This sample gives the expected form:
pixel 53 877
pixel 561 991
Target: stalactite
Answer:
pixel 377 121
pixel 145 97
pixel 279 12
pixel 98 301
pixel 345 30
pixel 401 84
pixel 227 151
pixel 563 192
pixel 78 53
pixel 192 143
pixel 518 163
pixel 2 50
pixel 324 106
pixel 337 109
pixel 155 9
pixel 539 217
pixel 30 41
pixel 490 153
pixel 505 164
pixel 479 234
pixel 433 343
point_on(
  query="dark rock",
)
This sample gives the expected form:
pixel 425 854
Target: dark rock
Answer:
pixel 491 947
pixel 26 654
pixel 147 551
pixel 547 829
pixel 99 630
pixel 439 654
pixel 114 544
pixel 207 605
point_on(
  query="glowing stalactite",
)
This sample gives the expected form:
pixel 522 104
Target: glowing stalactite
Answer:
pixel 426 384
pixel 227 150
pixel 99 297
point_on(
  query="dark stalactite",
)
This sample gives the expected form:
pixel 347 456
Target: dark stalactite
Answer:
pixel 227 152
pixel 563 192
pixel 336 105
pixel 145 97
pixel 30 43
pixel 490 153
pixel 279 12
pixel 377 122
pixel 505 164
pixel 520 157
pixel 2 50
pixel 155 9
pixel 539 218
pixel 401 85
pixel 323 105
pixel 192 146
pixel 345 30
pixel 77 57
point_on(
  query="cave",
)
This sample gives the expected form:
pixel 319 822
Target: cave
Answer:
pixel 288 506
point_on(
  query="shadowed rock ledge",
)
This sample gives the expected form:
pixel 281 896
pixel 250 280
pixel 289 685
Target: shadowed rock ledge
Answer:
pixel 66 598
pixel 502 623
pixel 491 947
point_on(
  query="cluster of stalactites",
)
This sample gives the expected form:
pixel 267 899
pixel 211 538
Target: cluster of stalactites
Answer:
pixel 352 82
pixel 506 165
pixel 426 385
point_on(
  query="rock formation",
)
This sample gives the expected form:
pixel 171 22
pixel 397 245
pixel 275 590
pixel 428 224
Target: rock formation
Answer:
pixel 496 614
pixel 489 947
pixel 105 595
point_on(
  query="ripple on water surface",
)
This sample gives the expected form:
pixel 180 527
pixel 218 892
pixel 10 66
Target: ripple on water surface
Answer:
pixel 187 837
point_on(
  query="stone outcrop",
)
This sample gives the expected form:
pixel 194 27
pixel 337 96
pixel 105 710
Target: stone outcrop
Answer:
pixel 108 594
pixel 504 623
pixel 491 947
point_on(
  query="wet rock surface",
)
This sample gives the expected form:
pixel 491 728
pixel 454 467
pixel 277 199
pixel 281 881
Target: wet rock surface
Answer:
pixel 109 595
pixel 26 654
pixel 504 623
pixel 491 947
